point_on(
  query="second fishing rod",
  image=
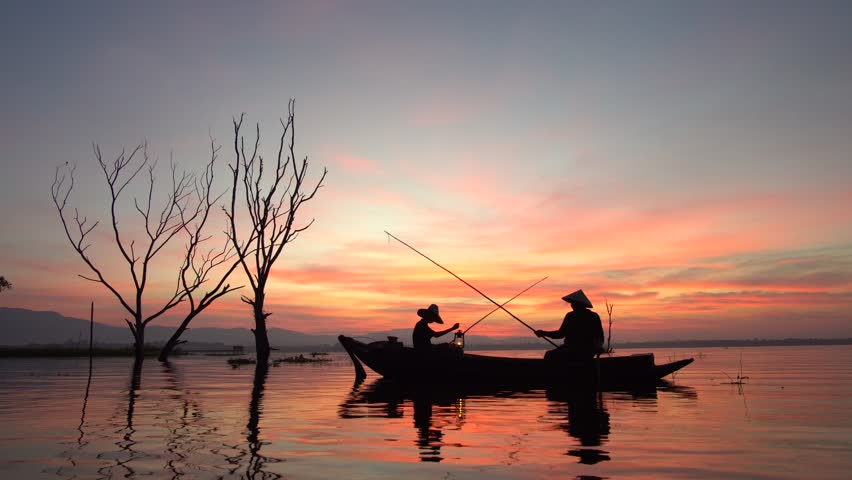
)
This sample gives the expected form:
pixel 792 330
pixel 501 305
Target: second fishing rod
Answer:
pixel 469 285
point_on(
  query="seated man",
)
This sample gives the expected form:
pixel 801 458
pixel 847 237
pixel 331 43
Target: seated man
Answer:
pixel 581 329
pixel 423 334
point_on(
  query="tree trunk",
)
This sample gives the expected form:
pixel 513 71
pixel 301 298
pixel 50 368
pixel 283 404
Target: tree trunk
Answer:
pixel 261 343
pixel 175 340
pixel 261 339
pixel 139 342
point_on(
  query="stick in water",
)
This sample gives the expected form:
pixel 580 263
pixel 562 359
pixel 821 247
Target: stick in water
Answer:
pixel 469 285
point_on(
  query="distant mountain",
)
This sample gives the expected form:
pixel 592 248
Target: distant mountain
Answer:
pixel 19 326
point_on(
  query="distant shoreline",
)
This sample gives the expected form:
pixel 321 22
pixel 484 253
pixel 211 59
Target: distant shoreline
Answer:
pixel 756 342
pixel 33 351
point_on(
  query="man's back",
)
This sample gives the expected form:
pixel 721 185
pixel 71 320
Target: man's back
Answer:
pixel 583 331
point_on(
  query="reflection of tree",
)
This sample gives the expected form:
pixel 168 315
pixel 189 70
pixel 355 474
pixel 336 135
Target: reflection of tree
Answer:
pixel 186 423
pixel 190 430
pixel 256 460
pixel 587 420
pixel 178 434
pixel 81 442
pixel 127 443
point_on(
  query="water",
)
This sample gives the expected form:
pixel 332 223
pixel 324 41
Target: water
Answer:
pixel 199 418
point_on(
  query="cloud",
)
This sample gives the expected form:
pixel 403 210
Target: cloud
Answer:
pixel 355 164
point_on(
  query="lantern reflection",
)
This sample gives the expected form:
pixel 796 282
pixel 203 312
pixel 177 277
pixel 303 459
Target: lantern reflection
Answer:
pixel 460 412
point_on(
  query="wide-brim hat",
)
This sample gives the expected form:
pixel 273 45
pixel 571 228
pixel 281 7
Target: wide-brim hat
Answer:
pixel 578 297
pixel 430 313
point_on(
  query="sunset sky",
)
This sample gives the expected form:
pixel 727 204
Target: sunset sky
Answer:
pixel 691 162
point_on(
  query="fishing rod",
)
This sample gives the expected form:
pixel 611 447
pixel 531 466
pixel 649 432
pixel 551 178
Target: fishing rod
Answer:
pixel 469 285
pixel 503 305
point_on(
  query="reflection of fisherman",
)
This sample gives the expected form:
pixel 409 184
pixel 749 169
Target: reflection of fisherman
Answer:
pixel 581 329
pixel 423 334
pixel 587 421
pixel 429 437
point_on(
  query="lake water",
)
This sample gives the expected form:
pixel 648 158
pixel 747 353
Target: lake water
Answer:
pixel 199 418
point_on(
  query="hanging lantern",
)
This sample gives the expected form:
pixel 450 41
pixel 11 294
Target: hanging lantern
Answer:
pixel 458 340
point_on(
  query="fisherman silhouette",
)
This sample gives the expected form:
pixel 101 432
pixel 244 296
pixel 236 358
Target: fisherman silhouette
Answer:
pixel 581 328
pixel 423 334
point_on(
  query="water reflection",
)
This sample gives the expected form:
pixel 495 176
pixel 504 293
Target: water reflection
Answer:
pixel 72 452
pixel 193 436
pixel 583 416
pixel 80 442
pixel 188 419
pixel 435 408
pixel 678 391
pixel 164 431
pixel 430 430
pixel 257 461
pixel 189 431
pixel 126 452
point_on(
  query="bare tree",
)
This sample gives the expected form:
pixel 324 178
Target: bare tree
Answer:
pixel 271 206
pixel 5 284
pixel 200 265
pixel 160 226
pixel 609 307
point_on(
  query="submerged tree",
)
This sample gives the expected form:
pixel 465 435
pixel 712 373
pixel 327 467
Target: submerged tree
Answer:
pixel 271 205
pixel 199 266
pixel 159 224
pixel 5 284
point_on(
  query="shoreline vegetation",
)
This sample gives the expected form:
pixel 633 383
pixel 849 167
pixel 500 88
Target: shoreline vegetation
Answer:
pixel 77 350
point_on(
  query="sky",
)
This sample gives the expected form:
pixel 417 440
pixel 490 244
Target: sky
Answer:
pixel 688 162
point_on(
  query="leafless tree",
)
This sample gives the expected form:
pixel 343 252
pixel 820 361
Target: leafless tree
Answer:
pixel 5 284
pixel 160 225
pixel 200 265
pixel 271 205
pixel 609 307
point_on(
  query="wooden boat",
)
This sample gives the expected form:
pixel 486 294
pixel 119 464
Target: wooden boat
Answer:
pixel 391 359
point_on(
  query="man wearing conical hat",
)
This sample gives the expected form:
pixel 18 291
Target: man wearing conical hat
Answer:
pixel 423 334
pixel 581 329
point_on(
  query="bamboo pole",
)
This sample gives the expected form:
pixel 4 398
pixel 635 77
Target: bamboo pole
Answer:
pixel 471 286
pixel 503 305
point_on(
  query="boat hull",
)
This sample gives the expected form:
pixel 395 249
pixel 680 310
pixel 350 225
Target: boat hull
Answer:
pixel 392 360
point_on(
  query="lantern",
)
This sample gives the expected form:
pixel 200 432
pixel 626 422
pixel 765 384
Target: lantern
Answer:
pixel 458 340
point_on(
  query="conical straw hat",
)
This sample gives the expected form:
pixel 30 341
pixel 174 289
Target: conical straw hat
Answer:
pixel 578 297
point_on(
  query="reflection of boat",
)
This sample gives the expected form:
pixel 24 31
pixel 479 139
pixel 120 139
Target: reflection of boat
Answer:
pixel 437 408
pixel 434 409
pixel 393 360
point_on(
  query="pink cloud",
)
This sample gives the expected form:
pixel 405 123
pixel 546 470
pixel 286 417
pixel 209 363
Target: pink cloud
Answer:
pixel 355 164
